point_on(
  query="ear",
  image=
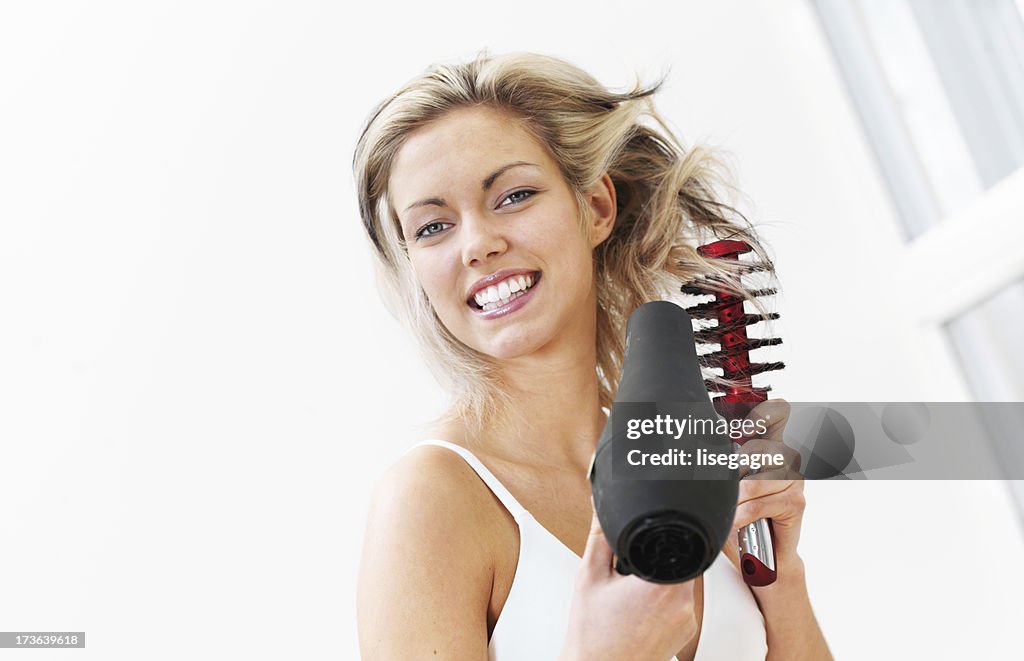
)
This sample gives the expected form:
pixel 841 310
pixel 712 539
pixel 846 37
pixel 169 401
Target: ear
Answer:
pixel 601 203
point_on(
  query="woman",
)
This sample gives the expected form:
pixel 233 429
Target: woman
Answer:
pixel 519 212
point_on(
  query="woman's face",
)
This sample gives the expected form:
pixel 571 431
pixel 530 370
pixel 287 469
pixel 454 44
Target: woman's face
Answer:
pixel 493 234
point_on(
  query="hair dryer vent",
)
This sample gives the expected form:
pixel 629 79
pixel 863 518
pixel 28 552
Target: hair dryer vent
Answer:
pixel 665 548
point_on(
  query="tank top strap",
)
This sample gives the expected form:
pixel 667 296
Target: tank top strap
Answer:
pixel 503 494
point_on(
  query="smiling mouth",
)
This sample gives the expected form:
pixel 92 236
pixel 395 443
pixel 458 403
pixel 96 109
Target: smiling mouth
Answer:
pixel 504 292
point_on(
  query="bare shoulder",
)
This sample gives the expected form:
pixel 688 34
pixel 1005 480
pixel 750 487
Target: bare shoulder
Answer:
pixel 427 566
pixel 430 480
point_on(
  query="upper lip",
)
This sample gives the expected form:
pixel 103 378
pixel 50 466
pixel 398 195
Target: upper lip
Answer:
pixel 494 278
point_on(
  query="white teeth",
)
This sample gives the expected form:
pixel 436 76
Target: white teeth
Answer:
pixel 505 291
pixel 491 306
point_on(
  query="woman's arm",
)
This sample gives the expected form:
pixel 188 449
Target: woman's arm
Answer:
pixel 425 575
pixel 793 631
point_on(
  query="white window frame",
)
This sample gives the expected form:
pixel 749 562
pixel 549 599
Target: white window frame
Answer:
pixel 973 254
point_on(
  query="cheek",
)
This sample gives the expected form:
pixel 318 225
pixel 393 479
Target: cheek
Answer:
pixel 435 278
pixel 575 256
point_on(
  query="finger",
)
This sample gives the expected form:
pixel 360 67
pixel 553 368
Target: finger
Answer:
pixel 772 416
pixel 751 489
pixel 684 593
pixel 788 468
pixel 598 554
pixel 782 507
pixel 773 475
pixel 759 457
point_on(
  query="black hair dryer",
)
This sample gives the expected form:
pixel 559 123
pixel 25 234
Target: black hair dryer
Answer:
pixel 666 523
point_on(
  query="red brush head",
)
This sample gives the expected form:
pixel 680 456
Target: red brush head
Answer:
pixel 730 333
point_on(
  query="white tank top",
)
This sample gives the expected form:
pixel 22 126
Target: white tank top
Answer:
pixel 535 617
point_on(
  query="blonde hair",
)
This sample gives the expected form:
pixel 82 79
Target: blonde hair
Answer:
pixel 666 199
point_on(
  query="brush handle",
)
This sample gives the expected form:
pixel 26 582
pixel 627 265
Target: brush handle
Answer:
pixel 756 540
pixel 757 553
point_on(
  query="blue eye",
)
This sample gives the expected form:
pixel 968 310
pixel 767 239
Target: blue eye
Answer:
pixel 517 196
pixel 431 229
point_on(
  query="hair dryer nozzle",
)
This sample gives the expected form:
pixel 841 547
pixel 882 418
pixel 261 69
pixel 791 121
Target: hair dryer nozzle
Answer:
pixel 666 547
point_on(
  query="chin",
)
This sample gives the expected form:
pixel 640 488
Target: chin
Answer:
pixel 508 350
pixel 507 346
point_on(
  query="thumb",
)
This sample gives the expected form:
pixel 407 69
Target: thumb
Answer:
pixel 598 554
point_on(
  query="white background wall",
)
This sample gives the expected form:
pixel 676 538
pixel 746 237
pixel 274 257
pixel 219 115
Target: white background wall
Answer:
pixel 199 385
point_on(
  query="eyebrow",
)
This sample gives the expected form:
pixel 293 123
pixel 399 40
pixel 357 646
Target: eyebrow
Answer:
pixel 484 185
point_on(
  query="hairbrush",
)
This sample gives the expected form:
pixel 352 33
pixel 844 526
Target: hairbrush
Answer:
pixel 738 395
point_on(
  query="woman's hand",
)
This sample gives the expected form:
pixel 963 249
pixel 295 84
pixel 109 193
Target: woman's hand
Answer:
pixel 776 493
pixel 624 617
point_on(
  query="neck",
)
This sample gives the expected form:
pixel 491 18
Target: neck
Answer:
pixel 554 416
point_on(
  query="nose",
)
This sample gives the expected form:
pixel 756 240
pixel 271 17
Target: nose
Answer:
pixel 482 241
